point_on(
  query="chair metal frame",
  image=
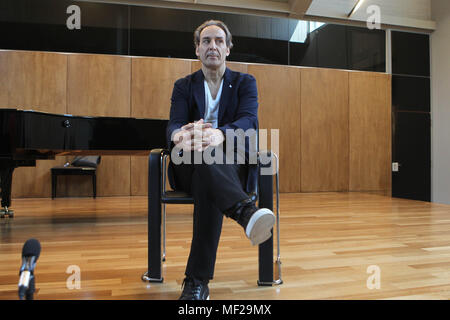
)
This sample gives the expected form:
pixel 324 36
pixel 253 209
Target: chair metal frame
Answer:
pixel 158 198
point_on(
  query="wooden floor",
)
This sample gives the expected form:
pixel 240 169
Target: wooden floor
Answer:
pixel 328 242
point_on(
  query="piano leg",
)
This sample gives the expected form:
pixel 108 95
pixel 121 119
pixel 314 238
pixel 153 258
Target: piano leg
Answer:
pixel 6 173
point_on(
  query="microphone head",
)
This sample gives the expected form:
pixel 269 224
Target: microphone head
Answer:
pixel 32 247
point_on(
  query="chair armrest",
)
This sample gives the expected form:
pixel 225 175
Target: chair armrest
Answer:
pixel 267 165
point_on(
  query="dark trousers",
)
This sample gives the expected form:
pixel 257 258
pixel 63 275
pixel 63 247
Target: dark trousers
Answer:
pixel 214 188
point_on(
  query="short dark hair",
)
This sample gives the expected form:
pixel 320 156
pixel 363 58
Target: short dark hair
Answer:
pixel 217 23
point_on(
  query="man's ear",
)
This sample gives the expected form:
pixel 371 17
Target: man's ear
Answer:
pixel 196 51
pixel 228 51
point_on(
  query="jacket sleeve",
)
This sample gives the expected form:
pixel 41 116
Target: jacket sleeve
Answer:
pixel 179 110
pixel 247 110
pixel 246 117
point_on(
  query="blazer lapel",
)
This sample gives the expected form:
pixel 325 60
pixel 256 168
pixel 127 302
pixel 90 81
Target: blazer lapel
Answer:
pixel 199 92
pixel 227 89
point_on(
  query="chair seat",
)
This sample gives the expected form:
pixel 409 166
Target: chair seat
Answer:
pixel 177 197
pixel 180 197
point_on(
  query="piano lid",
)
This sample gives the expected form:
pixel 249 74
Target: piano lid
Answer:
pixel 28 131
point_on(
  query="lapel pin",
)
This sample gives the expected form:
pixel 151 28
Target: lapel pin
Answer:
pixel 231 86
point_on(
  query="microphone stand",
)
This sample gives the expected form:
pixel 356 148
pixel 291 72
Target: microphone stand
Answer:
pixel 29 292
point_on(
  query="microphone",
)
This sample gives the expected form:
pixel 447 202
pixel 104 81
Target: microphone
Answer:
pixel 30 254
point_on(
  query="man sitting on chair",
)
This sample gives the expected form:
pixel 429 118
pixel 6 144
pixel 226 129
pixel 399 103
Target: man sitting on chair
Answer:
pixel 205 107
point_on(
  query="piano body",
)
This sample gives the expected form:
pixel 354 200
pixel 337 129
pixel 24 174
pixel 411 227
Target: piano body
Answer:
pixel 27 136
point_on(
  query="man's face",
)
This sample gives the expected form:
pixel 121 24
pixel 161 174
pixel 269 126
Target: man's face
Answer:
pixel 212 49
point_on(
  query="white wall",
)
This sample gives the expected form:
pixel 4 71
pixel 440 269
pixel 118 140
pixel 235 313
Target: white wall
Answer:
pixel 440 102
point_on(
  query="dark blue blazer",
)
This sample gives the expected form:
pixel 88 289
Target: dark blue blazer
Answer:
pixel 238 108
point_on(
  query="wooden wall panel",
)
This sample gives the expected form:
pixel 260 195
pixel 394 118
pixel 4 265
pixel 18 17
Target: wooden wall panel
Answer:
pixel 334 125
pixel 370 131
pixel 99 85
pixel 388 190
pixel 152 83
pixel 151 89
pixel 235 66
pixel 279 108
pixel 115 175
pixel 139 176
pixel 324 130
pixel 33 80
pixel 5 79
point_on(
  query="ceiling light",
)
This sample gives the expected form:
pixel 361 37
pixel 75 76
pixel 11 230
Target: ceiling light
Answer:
pixel 355 8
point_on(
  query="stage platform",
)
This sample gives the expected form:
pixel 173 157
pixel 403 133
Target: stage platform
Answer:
pixel 333 246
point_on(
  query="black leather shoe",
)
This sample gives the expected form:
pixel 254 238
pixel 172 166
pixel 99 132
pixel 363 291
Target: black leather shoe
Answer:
pixel 235 211
pixel 194 289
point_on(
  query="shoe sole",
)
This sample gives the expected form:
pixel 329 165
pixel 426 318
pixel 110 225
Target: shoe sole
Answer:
pixel 260 225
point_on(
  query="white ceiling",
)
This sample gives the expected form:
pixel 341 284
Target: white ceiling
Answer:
pixel 416 9
pixel 406 13
pixel 415 14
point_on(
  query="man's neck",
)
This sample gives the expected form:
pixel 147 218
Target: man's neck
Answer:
pixel 214 75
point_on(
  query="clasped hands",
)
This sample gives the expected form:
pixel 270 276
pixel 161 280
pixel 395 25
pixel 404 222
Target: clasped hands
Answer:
pixel 197 136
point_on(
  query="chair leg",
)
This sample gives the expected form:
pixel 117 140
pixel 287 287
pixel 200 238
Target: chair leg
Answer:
pixel 154 267
pixel 266 264
pixel 154 271
pixel 277 191
pixel 164 231
pixel 265 249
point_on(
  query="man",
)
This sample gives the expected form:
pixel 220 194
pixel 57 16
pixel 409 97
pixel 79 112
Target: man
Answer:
pixel 206 105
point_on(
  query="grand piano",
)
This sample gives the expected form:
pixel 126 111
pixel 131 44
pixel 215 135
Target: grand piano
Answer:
pixel 27 136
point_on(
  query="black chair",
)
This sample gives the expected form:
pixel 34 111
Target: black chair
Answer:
pixel 80 166
pixel 158 197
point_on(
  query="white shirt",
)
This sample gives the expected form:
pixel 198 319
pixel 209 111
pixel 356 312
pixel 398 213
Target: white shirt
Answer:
pixel 212 106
